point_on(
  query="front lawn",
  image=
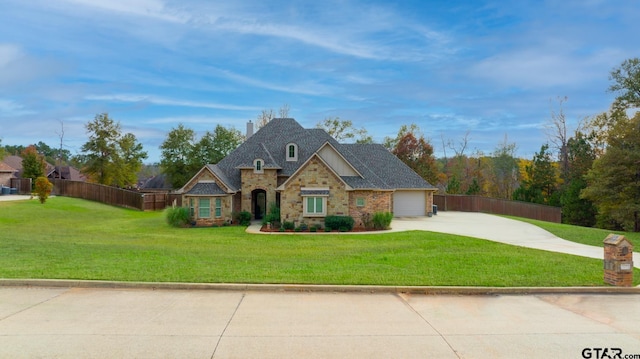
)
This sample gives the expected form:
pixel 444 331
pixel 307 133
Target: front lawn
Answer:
pixel 69 238
pixel 584 235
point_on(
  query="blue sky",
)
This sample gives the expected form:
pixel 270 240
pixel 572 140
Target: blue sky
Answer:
pixel 484 67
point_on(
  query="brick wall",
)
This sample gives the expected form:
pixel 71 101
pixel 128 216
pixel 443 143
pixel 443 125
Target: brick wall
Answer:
pixel 374 201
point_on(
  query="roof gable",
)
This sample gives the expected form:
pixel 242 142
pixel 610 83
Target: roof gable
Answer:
pixel 207 174
pixel 336 161
pixel 302 168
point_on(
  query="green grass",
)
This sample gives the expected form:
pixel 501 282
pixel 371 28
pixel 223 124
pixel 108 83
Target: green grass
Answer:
pixel 584 235
pixel 69 238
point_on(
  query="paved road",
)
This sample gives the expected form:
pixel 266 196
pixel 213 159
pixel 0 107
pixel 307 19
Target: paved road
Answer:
pixel 38 322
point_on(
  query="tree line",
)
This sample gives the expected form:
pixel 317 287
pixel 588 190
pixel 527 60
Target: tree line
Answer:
pixel 592 172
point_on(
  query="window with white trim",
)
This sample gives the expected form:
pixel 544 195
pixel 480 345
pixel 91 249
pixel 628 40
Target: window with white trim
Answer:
pixel 258 166
pixel 292 152
pixel 204 208
pixel 192 208
pixel 315 206
pixel 360 202
pixel 218 207
pixel 314 201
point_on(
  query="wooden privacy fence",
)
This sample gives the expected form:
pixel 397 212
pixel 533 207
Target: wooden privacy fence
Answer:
pixel 114 196
pixel 23 185
pixel 466 203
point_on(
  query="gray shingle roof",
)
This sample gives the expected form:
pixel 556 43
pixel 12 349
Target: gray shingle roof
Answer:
pixel 380 169
pixel 206 188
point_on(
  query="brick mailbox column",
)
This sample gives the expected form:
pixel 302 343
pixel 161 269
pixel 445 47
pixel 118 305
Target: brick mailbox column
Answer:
pixel 618 261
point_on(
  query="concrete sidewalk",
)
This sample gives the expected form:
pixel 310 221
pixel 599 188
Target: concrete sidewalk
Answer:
pixel 14 197
pixel 143 323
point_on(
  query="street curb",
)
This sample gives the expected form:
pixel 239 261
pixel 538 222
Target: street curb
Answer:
pixel 425 290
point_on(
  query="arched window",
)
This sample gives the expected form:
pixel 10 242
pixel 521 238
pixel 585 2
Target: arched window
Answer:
pixel 258 166
pixel 292 152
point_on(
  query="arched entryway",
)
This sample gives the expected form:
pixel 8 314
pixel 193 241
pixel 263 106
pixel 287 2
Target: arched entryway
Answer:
pixel 258 203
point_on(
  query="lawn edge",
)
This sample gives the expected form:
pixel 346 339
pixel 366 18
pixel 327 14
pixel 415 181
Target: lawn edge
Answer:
pixel 425 290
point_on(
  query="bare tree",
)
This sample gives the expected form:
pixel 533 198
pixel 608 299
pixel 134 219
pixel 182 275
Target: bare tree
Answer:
pixel 462 145
pixel 556 131
pixel 269 114
pixel 284 111
pixel 61 136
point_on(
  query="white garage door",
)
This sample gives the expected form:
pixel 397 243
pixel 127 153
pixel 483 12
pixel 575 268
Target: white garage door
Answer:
pixel 408 203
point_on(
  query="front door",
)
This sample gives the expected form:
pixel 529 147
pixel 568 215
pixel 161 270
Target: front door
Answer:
pixel 259 197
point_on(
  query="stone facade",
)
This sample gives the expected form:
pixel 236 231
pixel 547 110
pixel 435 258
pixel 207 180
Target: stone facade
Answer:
pixel 374 201
pixel 314 174
pixel 226 215
pixel 192 202
pixel 267 181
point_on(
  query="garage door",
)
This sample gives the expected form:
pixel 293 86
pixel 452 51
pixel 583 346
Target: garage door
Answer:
pixel 408 203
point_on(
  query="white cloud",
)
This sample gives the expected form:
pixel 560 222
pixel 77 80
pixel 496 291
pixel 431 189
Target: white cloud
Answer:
pixel 156 100
pixel 8 54
pixel 155 9
pixel 10 108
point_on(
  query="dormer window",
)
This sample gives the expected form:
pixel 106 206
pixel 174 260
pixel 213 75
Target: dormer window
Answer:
pixel 292 152
pixel 258 166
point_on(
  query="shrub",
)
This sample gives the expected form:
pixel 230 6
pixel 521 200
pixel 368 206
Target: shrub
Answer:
pixel 177 216
pixel 304 226
pixel 273 216
pixel 288 225
pixel 339 222
pixel 243 218
pixel 382 220
pixel 43 188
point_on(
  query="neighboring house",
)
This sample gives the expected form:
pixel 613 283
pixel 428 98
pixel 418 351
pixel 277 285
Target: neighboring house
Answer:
pixel 157 183
pixel 66 173
pixel 6 174
pixel 308 175
pixel 51 172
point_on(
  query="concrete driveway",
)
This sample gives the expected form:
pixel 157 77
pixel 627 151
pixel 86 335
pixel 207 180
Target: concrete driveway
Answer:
pixel 39 322
pixel 500 229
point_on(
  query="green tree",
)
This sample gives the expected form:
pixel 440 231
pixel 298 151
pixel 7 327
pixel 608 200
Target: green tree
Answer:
pixel 33 163
pixel 542 179
pixel 614 180
pixel 52 155
pixel 128 161
pixel 214 146
pixel 575 209
pixel 626 82
pixel 502 171
pixel 182 157
pixel 343 130
pixel 109 157
pixel 3 152
pixel 176 153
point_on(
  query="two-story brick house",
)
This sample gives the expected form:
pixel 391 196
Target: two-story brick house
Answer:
pixel 308 175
